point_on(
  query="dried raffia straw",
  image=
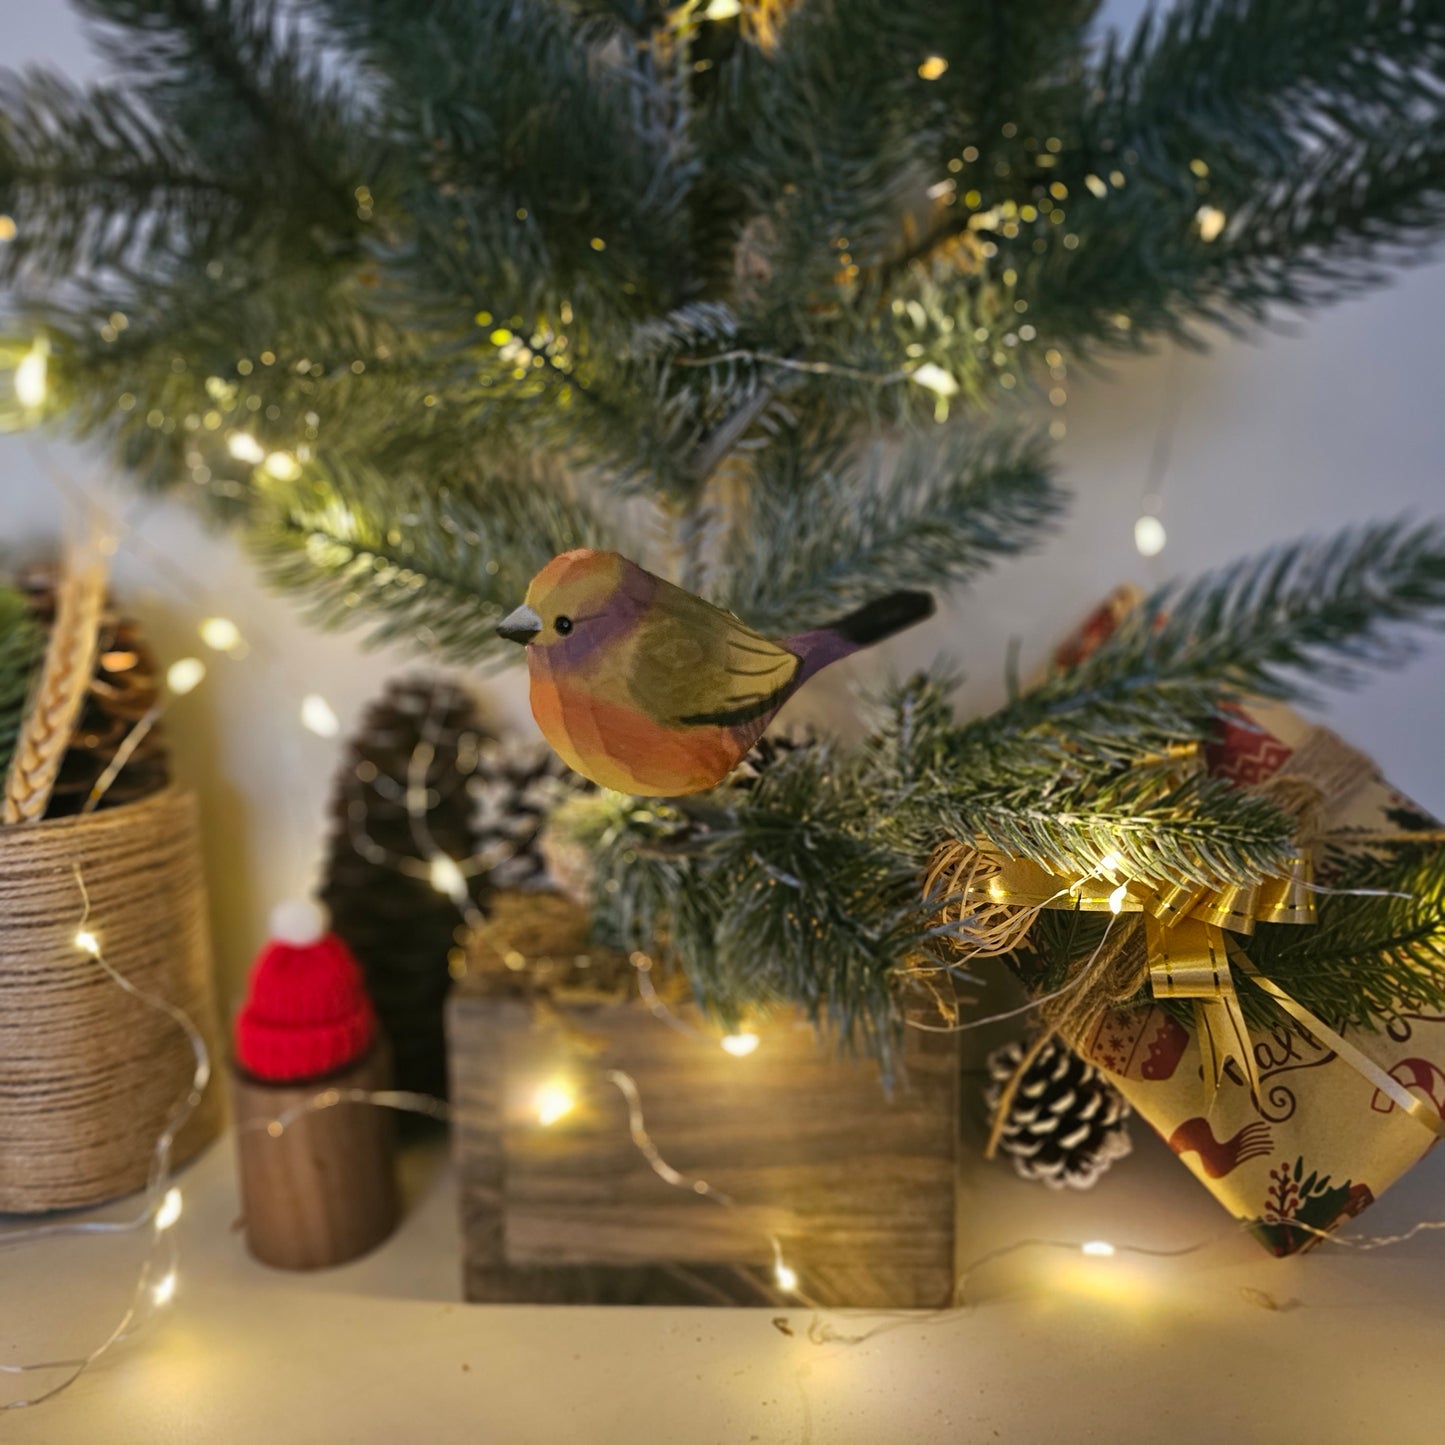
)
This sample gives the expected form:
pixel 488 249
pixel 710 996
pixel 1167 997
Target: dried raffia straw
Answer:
pixel 958 877
pixel 64 681
pixel 87 1075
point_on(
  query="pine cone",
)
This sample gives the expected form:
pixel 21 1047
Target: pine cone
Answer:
pixel 513 788
pixel 769 750
pixel 126 685
pixel 1067 1124
pixel 406 935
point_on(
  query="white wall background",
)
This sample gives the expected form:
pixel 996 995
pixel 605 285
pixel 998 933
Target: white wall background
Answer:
pixel 1340 421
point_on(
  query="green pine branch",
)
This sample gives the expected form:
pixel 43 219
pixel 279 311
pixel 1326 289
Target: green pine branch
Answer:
pixel 98 182
pixel 1273 625
pixel 789 896
pixel 1016 76
pixel 826 530
pixel 1366 958
pixel 1201 831
pixel 561 171
pixel 812 136
pixel 1242 82
pixel 243 81
pixel 1310 131
pixel 435 564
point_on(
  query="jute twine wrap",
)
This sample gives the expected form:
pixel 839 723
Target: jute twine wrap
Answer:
pixel 89 1074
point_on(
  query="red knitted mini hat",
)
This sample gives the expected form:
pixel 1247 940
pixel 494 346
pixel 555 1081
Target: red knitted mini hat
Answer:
pixel 306 1013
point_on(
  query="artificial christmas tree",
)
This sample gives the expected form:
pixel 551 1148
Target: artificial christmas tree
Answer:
pixel 544 275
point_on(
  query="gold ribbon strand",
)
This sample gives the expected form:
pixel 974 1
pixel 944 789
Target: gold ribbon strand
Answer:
pixel 992 900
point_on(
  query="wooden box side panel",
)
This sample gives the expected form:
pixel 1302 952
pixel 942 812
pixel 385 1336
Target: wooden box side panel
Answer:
pixel 858 1188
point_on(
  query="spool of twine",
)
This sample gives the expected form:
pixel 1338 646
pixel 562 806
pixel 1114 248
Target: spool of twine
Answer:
pixel 88 1073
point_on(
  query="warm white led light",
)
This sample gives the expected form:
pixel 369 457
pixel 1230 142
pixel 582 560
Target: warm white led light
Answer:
pixel 318 716
pixel 935 378
pixel 283 466
pixel 32 376
pixel 170 1209
pixel 220 634
pixel 1117 897
pixel 1212 222
pixel 165 1289
pixel 1110 863
pixel 446 877
pixel 552 1102
pixel 740 1045
pixel 245 448
pixel 1149 536
pixel 87 942
pixel 1099 1248
pixel 185 675
pixel 786 1277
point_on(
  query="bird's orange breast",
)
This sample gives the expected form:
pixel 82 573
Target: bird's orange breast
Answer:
pixel 622 748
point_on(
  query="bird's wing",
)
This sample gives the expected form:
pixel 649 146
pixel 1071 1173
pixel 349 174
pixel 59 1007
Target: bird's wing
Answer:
pixel 697 665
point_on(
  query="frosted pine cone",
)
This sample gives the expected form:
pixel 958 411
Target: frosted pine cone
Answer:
pixel 514 786
pixel 773 747
pixel 1067 1124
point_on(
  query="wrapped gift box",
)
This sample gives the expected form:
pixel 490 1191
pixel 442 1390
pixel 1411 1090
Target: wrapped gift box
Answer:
pixel 1318 1141
pixel 561 1201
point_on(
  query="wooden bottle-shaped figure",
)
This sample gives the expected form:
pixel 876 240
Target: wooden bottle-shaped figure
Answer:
pixel 318 1185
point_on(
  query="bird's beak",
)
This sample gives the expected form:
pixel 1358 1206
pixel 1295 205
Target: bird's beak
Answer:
pixel 520 626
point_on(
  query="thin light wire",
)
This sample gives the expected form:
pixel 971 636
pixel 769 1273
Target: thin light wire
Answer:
pixel 654 1002
pixel 1151 500
pixel 626 1085
pixel 1069 987
pixel 820 1331
pixel 406 1101
pixel 163 1243
pixel 123 754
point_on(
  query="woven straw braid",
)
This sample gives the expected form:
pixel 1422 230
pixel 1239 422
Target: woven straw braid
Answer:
pixel 69 666
pixel 88 1074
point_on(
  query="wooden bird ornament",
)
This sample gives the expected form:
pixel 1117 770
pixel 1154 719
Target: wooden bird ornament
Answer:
pixel 645 688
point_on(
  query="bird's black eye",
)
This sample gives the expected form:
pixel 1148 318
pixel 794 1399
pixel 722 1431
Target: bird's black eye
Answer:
pixel 564 625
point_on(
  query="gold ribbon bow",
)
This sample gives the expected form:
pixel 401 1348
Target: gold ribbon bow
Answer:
pixel 1189 953
pixel 1188 957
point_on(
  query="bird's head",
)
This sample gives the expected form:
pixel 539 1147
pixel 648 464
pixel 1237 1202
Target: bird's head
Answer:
pixel 578 598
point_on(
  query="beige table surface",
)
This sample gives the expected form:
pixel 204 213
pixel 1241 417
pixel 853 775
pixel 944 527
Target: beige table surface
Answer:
pixel 1055 1347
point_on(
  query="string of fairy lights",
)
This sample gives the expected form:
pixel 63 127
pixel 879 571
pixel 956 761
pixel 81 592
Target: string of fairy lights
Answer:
pixel 553 1100
pixel 162 1202
pixel 157 1280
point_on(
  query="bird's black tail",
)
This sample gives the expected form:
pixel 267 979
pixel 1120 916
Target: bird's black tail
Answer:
pixel 876 620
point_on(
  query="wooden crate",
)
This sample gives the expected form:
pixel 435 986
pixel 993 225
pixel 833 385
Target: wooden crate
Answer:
pixel 857 1187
